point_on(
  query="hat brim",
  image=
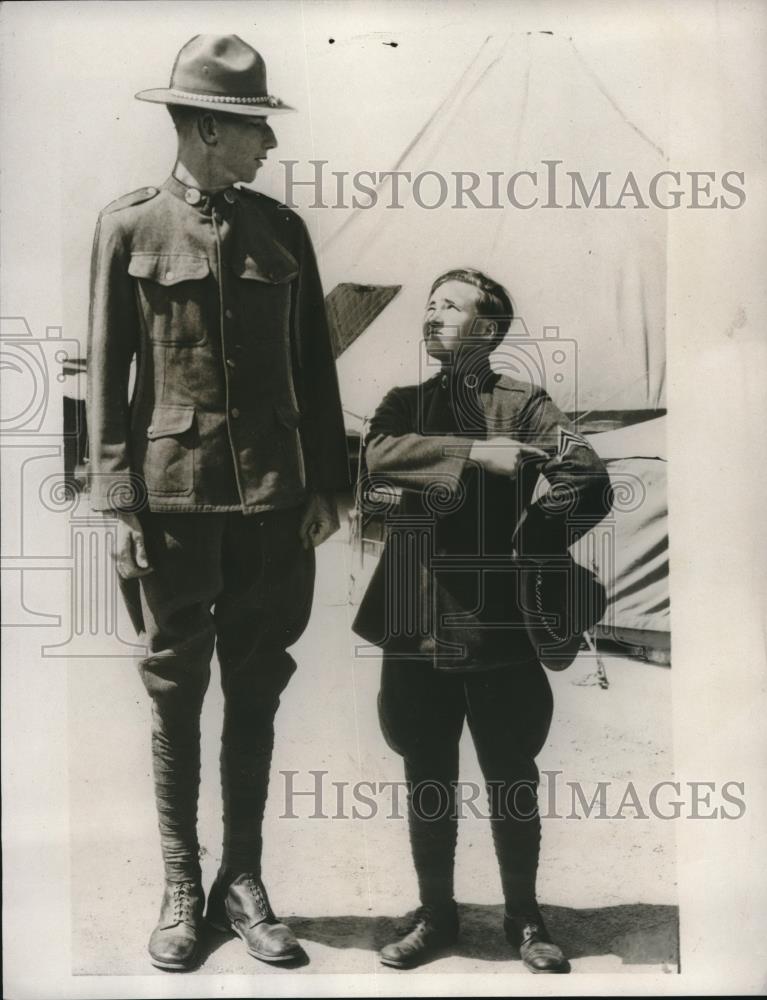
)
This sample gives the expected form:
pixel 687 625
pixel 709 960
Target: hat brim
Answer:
pixel 559 603
pixel 164 95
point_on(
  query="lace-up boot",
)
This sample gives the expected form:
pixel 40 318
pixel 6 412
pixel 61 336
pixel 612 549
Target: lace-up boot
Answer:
pixel 431 928
pixel 528 935
pixel 175 941
pixel 239 902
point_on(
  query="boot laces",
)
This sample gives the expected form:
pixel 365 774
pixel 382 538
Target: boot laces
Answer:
pixel 255 887
pixel 182 900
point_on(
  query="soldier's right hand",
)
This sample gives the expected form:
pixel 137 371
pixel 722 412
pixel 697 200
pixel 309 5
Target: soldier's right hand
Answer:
pixel 504 456
pixel 130 557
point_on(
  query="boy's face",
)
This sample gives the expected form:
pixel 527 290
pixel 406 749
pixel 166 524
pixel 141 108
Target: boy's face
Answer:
pixel 451 319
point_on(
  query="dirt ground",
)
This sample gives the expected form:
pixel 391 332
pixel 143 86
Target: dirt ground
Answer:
pixel 607 886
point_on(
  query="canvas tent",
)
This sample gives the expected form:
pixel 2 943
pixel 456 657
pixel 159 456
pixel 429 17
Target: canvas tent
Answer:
pixel 588 284
pixel 630 548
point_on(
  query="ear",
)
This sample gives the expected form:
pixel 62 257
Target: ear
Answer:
pixel 485 328
pixel 207 129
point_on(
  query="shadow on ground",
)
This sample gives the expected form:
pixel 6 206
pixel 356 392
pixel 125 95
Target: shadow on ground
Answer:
pixel 638 933
pixel 214 939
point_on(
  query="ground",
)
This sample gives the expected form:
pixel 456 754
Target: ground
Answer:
pixel 607 885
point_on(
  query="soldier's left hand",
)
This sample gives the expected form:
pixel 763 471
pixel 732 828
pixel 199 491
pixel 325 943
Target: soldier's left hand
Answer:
pixel 320 520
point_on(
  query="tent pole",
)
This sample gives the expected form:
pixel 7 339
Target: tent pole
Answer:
pixel 601 673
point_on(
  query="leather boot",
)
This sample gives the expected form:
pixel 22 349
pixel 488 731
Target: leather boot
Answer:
pixel 529 936
pixel 239 903
pixel 175 941
pixel 432 928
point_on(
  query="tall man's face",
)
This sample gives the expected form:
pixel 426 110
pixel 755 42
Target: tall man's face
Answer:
pixel 452 318
pixel 242 146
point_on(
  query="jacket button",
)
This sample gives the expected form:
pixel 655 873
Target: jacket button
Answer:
pixel 230 362
pixel 229 314
pixel 235 412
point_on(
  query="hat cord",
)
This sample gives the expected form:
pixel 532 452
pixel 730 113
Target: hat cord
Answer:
pixel 273 102
pixel 539 602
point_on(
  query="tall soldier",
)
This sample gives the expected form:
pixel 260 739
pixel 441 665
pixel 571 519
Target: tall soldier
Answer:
pixel 220 464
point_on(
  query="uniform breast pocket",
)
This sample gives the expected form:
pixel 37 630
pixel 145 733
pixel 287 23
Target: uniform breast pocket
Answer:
pixel 171 442
pixel 266 289
pixel 176 296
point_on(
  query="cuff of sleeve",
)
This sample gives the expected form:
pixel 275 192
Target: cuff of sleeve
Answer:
pixel 123 492
pixel 457 454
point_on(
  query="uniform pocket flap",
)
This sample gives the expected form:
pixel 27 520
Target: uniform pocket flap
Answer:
pixel 276 268
pixel 168 269
pixel 288 414
pixel 167 421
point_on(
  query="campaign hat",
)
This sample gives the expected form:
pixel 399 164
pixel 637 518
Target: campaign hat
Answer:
pixel 220 72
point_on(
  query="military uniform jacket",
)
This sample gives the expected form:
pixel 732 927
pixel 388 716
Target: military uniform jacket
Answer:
pixel 447 585
pixel 234 403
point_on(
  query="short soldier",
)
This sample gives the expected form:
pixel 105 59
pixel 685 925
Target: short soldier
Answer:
pixel 220 463
pixel 447 604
